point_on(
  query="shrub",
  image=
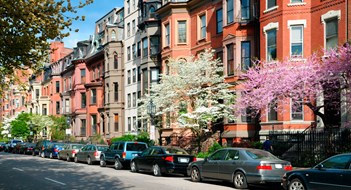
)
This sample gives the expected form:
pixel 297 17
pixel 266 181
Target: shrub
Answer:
pixel 213 148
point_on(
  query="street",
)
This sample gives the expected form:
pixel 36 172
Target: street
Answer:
pixel 29 172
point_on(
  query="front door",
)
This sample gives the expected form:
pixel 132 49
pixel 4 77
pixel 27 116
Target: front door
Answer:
pixel 210 166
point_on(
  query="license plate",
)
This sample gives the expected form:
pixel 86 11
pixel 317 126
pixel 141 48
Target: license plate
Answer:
pixel 279 166
pixel 183 160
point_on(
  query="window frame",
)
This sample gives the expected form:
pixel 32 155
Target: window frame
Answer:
pixel 292 38
pixel 219 21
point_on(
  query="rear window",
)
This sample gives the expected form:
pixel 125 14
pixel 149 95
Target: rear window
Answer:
pixel 259 154
pixel 175 151
pixel 102 148
pixel 136 147
pixel 15 141
pixel 77 146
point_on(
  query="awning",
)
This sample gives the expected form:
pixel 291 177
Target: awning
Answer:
pixel 228 134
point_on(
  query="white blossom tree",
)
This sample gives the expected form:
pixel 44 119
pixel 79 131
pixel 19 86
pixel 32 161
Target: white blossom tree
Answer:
pixel 194 93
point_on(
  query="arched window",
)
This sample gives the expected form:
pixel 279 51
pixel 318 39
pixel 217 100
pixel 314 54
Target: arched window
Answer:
pixel 152 9
pixel 113 35
pixel 115 60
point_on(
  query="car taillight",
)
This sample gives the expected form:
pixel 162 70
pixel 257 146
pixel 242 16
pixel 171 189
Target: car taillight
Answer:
pixel 42 148
pixel 288 167
pixel 56 150
pixel 264 167
pixel 30 148
pixel 124 155
pixel 74 152
pixel 96 153
pixel 168 158
pixel 194 159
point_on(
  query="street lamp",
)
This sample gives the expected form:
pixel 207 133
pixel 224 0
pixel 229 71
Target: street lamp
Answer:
pixel 151 110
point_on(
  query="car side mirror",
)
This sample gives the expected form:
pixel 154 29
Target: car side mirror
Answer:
pixel 319 166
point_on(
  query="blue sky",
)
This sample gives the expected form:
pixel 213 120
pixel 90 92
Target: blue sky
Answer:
pixel 92 13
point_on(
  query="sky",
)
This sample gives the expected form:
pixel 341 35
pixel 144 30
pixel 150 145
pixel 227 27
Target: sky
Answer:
pixel 92 13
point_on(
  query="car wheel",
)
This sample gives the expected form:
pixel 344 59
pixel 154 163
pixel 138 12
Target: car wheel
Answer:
pixel 68 159
pixel 296 184
pixel 76 159
pixel 89 161
pixel 133 167
pixel 195 174
pixel 51 156
pixel 118 164
pixel 102 162
pixel 58 156
pixel 240 180
pixel 156 170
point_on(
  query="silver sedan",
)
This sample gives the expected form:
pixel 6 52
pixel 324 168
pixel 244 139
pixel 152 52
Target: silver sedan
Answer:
pixel 241 166
pixel 90 153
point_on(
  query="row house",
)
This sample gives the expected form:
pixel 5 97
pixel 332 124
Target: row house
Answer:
pixel 228 27
pixel 294 30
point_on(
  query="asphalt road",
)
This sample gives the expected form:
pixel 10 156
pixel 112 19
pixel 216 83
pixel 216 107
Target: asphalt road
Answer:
pixel 18 172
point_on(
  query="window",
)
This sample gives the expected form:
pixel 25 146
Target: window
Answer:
pixel 145 81
pixel 271 44
pixel 70 83
pixel 181 31
pixel 296 1
pixel 218 155
pixel 129 124
pixel 128 53
pixel 134 75
pixel 145 47
pixel 57 107
pixel 64 85
pixel 115 61
pixel 128 5
pixel 245 9
pixel 297 110
pixel 37 93
pixel 331 33
pixel 128 29
pixel 67 106
pixel 133 26
pixel 129 101
pixel 113 35
pixel 115 91
pixel 45 109
pixel 134 123
pixel 245 55
pixel 82 75
pixel 296 41
pixel 134 51
pixel 83 127
pixel 93 125
pixel 230 11
pixel 93 96
pixel 167 35
pixel 202 26
pixel 83 100
pixel 230 59
pixel 154 45
pixel 116 122
pixel 219 21
pixel 246 117
pixel 337 162
pixel 271 3
pixel 167 67
pixel 134 99
pixel 154 76
pixel 272 112
pixel 128 77
pixel 139 49
pixel 57 86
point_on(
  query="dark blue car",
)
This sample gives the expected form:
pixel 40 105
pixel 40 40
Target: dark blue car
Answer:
pixel 332 173
pixel 53 149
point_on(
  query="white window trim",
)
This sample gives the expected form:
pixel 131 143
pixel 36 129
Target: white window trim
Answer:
pixel 199 38
pixel 296 4
pixel 303 113
pixel 270 9
pixel 326 16
pixel 296 23
pixel 169 35
pixel 272 25
pixel 186 31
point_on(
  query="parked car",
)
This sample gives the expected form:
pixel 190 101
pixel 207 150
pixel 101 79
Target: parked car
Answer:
pixel 90 153
pixel 12 144
pixel 120 153
pixel 69 151
pixel 161 160
pixel 240 166
pixel 40 147
pixel 332 173
pixel 27 148
pixel 18 147
pixel 53 149
pixel 2 146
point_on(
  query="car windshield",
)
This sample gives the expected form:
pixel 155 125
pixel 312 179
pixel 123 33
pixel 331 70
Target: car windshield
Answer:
pixel 14 141
pixel 136 147
pixel 77 146
pixel 102 148
pixel 260 155
pixel 173 150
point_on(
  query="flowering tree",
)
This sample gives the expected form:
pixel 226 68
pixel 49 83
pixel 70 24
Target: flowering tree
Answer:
pixel 303 82
pixel 194 93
